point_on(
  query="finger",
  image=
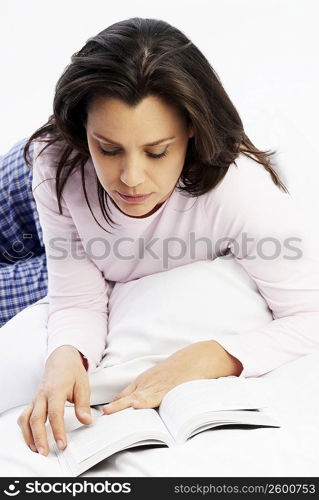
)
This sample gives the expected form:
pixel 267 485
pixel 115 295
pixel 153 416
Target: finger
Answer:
pixel 24 424
pixel 139 399
pixel 37 423
pixel 56 419
pixel 120 404
pixel 82 395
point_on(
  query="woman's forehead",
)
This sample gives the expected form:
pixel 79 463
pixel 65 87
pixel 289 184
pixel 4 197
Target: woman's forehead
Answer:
pixel 151 119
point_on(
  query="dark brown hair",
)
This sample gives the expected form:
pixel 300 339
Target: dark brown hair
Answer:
pixel 130 60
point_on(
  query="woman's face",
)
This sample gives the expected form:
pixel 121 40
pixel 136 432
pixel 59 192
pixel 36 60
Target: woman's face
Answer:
pixel 119 139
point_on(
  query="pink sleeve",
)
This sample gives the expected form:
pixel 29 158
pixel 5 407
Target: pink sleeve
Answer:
pixel 77 290
pixel 280 257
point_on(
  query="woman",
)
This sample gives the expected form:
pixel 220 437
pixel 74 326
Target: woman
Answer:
pixel 144 137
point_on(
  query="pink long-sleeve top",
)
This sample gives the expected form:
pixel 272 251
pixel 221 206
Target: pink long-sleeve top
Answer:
pixel 245 214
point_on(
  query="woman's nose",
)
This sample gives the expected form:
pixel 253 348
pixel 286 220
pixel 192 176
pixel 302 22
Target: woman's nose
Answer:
pixel 132 175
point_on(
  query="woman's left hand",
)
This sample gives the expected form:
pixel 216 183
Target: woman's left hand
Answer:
pixel 201 360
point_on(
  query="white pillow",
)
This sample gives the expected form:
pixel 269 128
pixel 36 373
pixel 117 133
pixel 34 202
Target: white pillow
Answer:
pixel 154 316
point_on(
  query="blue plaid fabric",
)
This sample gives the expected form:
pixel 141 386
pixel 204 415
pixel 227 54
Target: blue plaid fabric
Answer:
pixel 23 270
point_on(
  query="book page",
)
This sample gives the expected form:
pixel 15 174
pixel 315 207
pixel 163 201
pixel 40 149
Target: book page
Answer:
pixel 120 429
pixel 239 418
pixel 196 397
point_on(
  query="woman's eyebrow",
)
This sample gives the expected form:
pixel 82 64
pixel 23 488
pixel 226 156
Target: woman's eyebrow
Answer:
pixel 154 143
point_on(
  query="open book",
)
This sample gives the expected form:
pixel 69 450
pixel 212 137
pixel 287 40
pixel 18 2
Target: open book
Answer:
pixel 186 410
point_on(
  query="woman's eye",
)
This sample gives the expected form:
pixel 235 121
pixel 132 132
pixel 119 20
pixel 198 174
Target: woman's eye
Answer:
pixel 114 153
pixel 152 155
pixel 107 153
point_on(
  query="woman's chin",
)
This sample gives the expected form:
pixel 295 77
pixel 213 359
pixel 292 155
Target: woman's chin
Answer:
pixel 138 211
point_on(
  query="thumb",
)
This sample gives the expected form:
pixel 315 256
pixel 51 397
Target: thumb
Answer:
pixel 82 404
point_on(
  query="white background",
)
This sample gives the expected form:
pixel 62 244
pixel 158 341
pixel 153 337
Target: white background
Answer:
pixel 264 51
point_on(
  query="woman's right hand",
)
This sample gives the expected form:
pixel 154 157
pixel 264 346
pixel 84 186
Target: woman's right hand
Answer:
pixel 65 379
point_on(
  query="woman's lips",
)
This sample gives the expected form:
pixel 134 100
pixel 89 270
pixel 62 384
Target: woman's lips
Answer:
pixel 134 199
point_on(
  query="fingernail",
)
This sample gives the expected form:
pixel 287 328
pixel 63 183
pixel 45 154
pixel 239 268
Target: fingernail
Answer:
pixel 85 414
pixel 60 444
pixel 33 448
pixel 41 450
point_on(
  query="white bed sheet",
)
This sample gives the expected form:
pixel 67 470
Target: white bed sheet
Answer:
pixel 291 450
